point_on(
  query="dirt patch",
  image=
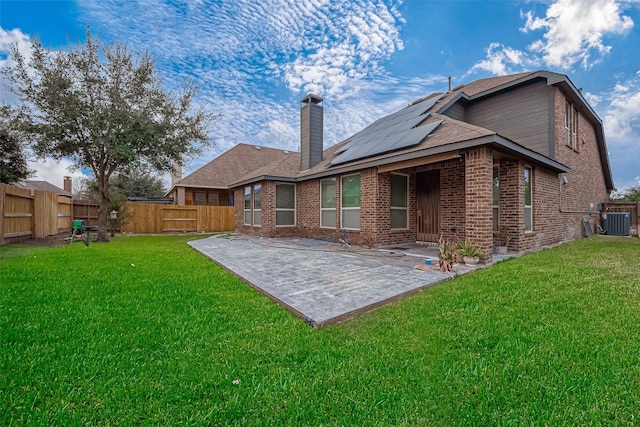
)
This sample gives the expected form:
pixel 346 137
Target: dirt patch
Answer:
pixel 49 241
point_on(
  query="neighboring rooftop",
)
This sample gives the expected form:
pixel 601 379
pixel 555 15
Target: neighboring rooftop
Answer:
pixel 234 164
pixel 43 186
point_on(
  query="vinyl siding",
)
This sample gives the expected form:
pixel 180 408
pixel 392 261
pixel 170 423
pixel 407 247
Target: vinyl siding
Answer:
pixel 521 114
pixel 456 111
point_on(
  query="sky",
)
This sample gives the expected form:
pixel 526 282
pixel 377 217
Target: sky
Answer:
pixel 254 60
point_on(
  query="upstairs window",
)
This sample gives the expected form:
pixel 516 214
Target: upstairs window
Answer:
pixel 571 125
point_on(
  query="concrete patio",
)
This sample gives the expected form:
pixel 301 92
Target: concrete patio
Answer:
pixel 319 281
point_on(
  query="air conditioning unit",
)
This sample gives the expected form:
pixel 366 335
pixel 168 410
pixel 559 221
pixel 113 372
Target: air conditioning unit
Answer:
pixel 617 223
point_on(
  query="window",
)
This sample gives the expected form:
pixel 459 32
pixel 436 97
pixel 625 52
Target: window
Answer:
pixel 495 204
pixel 328 203
pixel 213 199
pixel 285 204
pixel 528 213
pixel 399 201
pixel 247 205
pixel 200 198
pixel 257 204
pixel 571 125
pixel 350 218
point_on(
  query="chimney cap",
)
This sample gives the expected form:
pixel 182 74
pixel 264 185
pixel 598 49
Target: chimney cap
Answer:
pixel 311 99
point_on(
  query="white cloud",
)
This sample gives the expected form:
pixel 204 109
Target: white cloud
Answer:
pixel 592 98
pixel 8 39
pixel 502 60
pixel 54 172
pixel 620 107
pixel 349 49
pixel 13 37
pixel 622 119
pixel 573 34
pixel 254 61
pixel 574 31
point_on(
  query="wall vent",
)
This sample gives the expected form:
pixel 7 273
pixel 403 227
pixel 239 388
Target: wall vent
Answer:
pixel 617 223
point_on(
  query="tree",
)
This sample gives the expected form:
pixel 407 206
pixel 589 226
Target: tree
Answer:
pixel 13 163
pixel 105 108
pixel 631 194
pixel 137 182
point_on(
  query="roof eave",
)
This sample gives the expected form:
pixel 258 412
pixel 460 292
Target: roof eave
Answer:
pixel 495 141
pixel 263 178
pixel 563 81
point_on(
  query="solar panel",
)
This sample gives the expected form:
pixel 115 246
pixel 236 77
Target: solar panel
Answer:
pixel 392 132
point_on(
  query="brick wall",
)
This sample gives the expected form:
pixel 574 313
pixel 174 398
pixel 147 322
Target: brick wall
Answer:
pixel 511 206
pixel 465 198
pixel 558 208
pixel 384 234
pixel 452 200
pixel 478 199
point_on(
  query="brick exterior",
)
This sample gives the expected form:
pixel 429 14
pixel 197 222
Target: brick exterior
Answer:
pixel 478 199
pixel 465 204
pixel 558 208
pixel 511 202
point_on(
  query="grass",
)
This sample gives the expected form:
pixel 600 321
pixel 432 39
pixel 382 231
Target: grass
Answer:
pixel 144 330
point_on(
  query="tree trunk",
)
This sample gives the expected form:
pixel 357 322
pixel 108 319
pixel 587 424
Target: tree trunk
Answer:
pixel 103 211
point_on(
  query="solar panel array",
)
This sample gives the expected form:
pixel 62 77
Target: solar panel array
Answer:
pixel 393 132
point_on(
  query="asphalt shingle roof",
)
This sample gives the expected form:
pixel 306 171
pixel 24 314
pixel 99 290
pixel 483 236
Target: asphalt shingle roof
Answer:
pixel 244 163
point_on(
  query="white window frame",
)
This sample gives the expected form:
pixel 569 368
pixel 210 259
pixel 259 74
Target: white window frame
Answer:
pixel 295 202
pixel 399 208
pixel 350 209
pixel 571 125
pixel 495 204
pixel 248 191
pixel 528 209
pixel 329 209
pixel 258 211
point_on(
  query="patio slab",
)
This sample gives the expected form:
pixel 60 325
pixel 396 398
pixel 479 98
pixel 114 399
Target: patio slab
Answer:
pixel 321 282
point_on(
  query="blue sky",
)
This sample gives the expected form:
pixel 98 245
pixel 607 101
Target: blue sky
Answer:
pixel 255 60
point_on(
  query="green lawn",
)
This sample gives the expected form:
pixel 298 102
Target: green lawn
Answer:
pixel 145 330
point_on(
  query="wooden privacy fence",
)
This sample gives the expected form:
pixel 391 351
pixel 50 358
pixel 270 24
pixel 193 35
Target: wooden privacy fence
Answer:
pixel 155 218
pixel 26 214
pixel 632 207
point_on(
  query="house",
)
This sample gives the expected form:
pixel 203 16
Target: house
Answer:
pixel 48 187
pixel 518 160
pixel 211 184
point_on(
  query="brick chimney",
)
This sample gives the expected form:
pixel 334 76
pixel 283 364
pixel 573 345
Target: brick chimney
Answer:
pixel 176 173
pixel 67 184
pixel 311 128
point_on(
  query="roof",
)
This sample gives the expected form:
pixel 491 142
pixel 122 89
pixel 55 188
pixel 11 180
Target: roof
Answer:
pixel 43 186
pixel 234 164
pixel 449 136
pixel 485 87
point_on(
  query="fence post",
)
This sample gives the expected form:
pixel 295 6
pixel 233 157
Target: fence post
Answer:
pixel 3 191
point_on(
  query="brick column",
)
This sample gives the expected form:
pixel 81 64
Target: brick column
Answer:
pixel 478 198
pixel 180 196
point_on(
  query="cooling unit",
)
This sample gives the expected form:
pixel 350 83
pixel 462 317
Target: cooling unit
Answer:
pixel 617 223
